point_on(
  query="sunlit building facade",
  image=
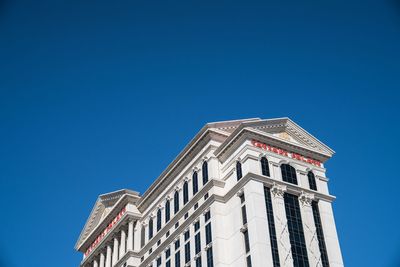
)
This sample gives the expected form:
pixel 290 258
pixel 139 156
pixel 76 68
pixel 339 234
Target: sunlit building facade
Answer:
pixel 242 193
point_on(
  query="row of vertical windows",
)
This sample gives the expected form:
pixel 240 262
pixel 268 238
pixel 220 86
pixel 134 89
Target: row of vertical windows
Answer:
pixel 320 234
pixel 245 231
pixel 296 233
pixel 271 227
pixel 176 203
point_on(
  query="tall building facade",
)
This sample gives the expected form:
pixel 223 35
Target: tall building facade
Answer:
pixel 242 193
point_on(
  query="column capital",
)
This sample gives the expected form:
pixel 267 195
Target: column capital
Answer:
pixel 306 198
pixel 278 190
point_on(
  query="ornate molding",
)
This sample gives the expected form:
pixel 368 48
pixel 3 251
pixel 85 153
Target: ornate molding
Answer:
pixel 306 198
pixel 278 190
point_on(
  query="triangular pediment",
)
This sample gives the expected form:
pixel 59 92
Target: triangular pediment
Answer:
pixel 103 206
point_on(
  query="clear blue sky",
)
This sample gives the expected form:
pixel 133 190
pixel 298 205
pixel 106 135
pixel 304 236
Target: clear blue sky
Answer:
pixel 101 95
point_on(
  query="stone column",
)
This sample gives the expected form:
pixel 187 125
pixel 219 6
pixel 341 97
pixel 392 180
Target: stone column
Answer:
pixel 310 233
pixel 108 255
pixel 122 245
pixel 102 259
pixel 95 263
pixel 115 251
pixel 281 226
pixel 130 235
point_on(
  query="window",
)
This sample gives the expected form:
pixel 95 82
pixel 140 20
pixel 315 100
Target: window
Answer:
pixel 186 235
pixel 242 198
pixel 150 251
pixel 210 261
pixel 206 196
pixel 185 192
pixel 150 228
pixel 178 259
pixel 296 233
pixel 196 206
pixel 246 241
pixel 248 261
pixel 197 243
pixel 271 227
pixel 196 226
pixel 176 202
pixel 198 262
pixel 167 234
pixel 186 215
pixel 320 234
pixel 167 211
pixel 311 181
pixel 187 252
pixel 207 216
pixel 168 253
pixel 239 170
pixel 168 263
pixel 204 170
pixel 244 215
pixel 159 261
pixel 158 220
pixel 208 234
pixel 159 242
pixel 264 166
pixel 288 174
pixel 142 236
pixel 176 225
pixel 177 244
pixel 195 183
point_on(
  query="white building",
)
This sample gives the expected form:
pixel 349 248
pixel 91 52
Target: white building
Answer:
pixel 241 193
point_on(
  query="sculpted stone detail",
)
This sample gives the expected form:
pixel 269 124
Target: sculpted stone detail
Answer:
pixel 278 190
pixel 306 199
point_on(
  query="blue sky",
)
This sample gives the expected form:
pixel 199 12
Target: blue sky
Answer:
pixel 101 95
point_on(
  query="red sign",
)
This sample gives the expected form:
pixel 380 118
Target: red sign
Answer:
pixel 105 231
pixel 285 153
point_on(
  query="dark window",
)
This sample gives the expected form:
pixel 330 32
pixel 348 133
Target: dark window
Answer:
pixel 150 250
pixel 197 243
pixel 196 225
pixel 288 174
pixel 296 233
pixel 185 192
pixel 177 244
pixel 264 166
pixel 207 216
pixel 271 227
pixel 195 183
pixel 168 263
pixel 176 225
pixel 167 253
pixel 178 259
pixel 159 261
pixel 176 202
pixel 238 170
pixel 186 235
pixel 187 252
pixel 208 234
pixel 206 196
pixel 159 242
pixel 158 220
pixel 311 181
pixel 186 215
pixel 244 214
pixel 142 236
pixel 246 240
pixel 320 234
pixel 198 262
pixel 150 228
pixel 210 261
pixel 248 261
pixel 196 206
pixel 204 170
pixel 242 198
pixel 167 234
pixel 167 211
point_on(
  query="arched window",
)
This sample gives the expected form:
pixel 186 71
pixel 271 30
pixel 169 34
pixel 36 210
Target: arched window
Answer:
pixel 176 202
pixel 167 211
pixel 264 166
pixel 204 170
pixel 288 174
pixel 158 220
pixel 239 170
pixel 150 228
pixel 311 181
pixel 195 183
pixel 185 192
pixel 142 236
